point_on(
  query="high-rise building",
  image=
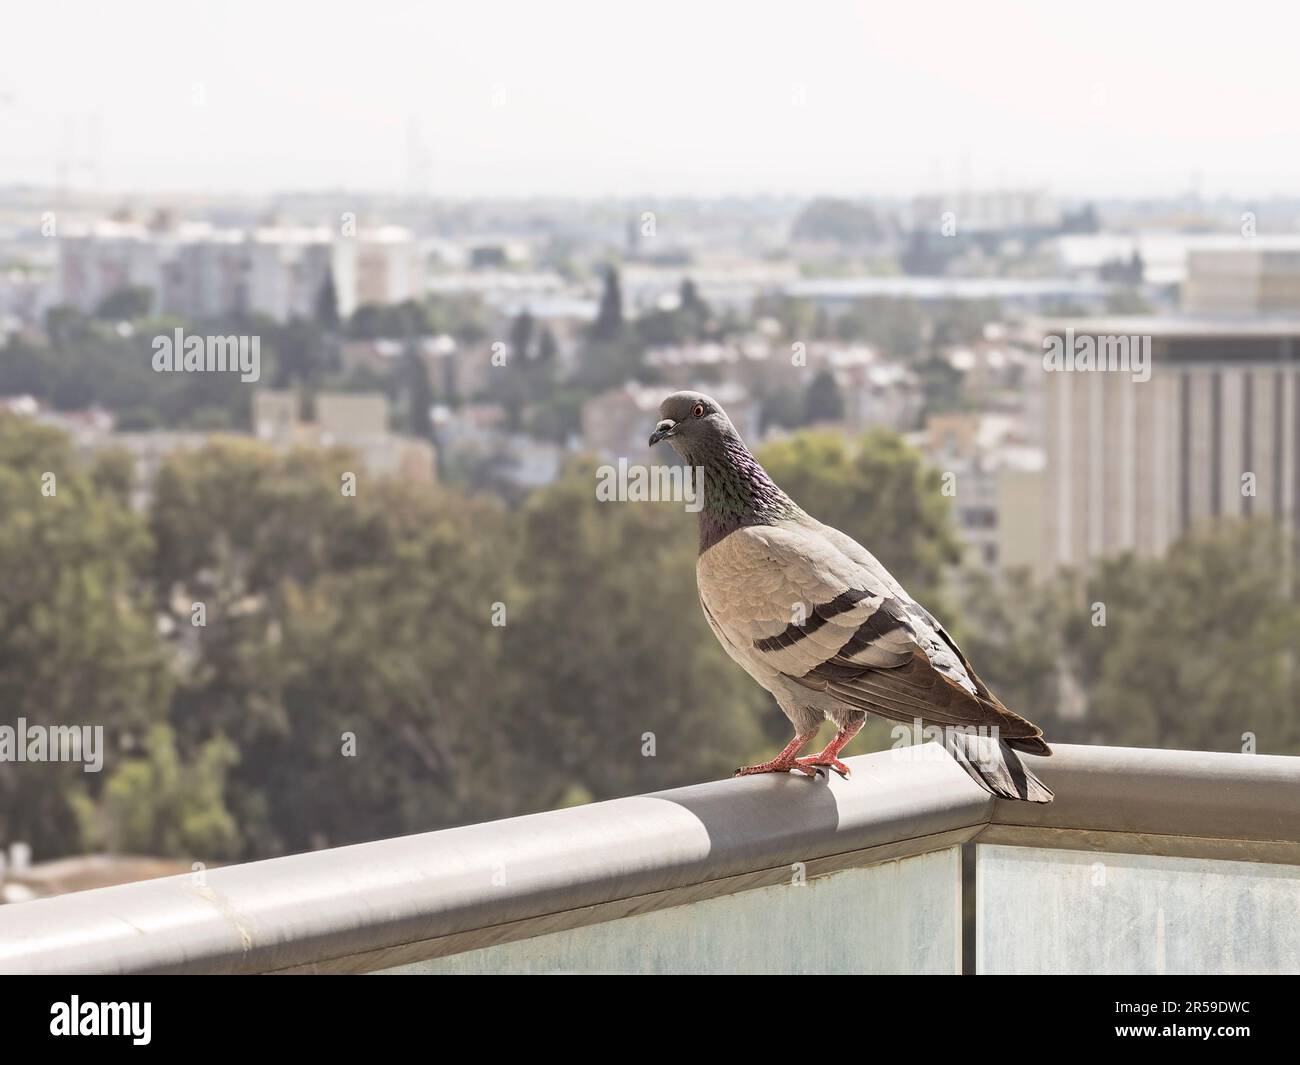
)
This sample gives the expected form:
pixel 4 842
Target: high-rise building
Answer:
pixel 1259 279
pixel 1214 432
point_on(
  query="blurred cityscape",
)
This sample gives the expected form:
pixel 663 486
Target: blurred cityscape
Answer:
pixel 298 489
pixel 925 318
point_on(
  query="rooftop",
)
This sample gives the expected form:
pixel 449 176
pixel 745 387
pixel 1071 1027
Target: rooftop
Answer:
pixel 937 288
pixel 1175 325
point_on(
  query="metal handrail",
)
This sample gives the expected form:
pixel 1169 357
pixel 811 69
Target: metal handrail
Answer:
pixel 375 905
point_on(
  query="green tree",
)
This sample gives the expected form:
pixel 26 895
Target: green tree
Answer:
pixel 419 392
pixel 1138 653
pixel 895 326
pixel 556 415
pixel 232 524
pixel 329 613
pixel 824 402
pixel 327 304
pixel 941 386
pixel 161 805
pixel 374 321
pixel 784 408
pixel 1013 632
pixel 661 328
pixel 521 336
pixel 590 638
pixel 1199 649
pixel 125 304
pixel 798 318
pixel 78 647
pixel 961 321
pixel 608 325
pixel 300 345
pixel 89 362
pixel 690 301
pixel 113 473
pixel 390 685
pixel 548 350
pixel 838 220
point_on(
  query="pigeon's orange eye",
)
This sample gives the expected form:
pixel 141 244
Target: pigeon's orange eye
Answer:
pixel 699 410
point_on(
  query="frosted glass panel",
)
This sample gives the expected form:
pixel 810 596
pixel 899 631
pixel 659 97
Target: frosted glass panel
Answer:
pixel 896 917
pixel 1061 911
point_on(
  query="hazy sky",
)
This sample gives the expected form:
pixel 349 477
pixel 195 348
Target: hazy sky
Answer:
pixel 704 97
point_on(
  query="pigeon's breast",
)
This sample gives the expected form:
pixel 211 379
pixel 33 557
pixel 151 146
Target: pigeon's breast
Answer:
pixel 737 591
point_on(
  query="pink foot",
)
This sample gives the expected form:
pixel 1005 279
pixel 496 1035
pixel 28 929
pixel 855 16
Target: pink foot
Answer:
pixel 821 761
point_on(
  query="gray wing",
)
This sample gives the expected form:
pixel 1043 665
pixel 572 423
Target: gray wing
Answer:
pixel 807 603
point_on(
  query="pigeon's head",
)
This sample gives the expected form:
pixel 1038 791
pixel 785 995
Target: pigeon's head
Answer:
pixel 693 423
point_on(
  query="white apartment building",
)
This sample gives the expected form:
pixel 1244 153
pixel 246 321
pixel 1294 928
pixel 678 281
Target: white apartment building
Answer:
pixel 108 256
pixel 988 211
pixel 200 271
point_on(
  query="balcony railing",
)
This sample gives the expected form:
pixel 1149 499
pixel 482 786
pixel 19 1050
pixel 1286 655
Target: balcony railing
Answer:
pixel 1147 861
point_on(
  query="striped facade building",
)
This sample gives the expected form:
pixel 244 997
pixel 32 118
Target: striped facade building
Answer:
pixel 1215 431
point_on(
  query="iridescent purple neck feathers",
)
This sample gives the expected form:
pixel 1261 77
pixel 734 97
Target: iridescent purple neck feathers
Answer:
pixel 737 492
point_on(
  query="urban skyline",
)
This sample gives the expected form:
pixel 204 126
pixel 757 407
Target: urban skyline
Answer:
pixel 471 432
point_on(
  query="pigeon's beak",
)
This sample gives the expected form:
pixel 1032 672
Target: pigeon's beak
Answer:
pixel 662 431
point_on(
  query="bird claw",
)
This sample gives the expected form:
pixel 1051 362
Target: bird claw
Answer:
pixel 774 766
pixel 816 762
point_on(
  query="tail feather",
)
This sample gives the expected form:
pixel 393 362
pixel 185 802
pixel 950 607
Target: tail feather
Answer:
pixel 1030 745
pixel 996 767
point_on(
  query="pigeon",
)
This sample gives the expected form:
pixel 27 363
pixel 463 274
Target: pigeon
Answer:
pixel 814 618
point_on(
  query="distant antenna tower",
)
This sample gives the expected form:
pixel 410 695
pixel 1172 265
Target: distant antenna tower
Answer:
pixel 79 154
pixel 418 164
pixel 965 182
